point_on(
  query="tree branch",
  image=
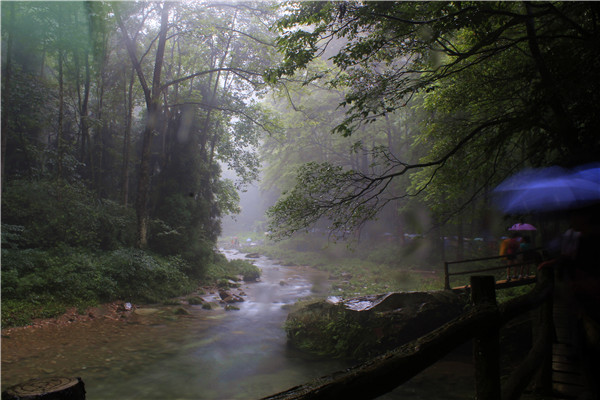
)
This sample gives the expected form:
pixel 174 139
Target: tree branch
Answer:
pixel 237 71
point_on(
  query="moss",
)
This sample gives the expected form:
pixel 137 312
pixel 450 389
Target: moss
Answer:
pixel 195 300
pixel 333 330
pixel 181 311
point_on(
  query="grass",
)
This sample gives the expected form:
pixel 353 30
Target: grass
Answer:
pixel 22 312
pixel 368 269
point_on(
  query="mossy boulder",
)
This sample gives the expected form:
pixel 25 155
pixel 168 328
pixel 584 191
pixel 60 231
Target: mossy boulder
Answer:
pixel 362 327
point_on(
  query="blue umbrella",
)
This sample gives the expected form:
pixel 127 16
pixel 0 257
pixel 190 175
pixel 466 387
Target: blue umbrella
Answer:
pixel 590 172
pixel 549 189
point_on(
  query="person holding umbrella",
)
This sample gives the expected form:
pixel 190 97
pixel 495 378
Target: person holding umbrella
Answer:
pixel 525 250
pixel 579 263
pixel 527 256
pixel 554 191
pixel 509 248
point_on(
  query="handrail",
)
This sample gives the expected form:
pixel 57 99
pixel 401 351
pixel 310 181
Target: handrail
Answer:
pixel 382 374
pixel 491 257
pixel 487 269
pixel 448 274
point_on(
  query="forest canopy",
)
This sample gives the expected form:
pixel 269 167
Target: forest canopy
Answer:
pixel 140 103
pixel 483 89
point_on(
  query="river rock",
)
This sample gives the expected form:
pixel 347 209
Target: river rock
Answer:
pixel 366 326
pixel 228 283
pixel 181 311
pixel 252 255
pixel 210 305
pixel 229 297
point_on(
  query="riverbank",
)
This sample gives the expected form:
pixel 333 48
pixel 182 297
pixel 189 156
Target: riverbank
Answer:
pixel 163 354
pixel 37 285
pixel 117 311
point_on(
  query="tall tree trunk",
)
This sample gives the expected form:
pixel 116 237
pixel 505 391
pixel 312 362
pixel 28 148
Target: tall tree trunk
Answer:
pixel 59 132
pixel 460 243
pixel 6 89
pixel 85 128
pixel 127 143
pixel 97 147
pixel 213 99
pixel 152 97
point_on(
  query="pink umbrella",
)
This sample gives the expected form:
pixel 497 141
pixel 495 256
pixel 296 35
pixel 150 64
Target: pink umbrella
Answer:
pixel 522 227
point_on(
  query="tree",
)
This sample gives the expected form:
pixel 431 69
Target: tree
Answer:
pixel 152 94
pixel 308 127
pixel 206 98
pixel 492 78
pixel 104 94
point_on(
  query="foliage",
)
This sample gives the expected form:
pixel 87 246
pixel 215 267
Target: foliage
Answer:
pixel 53 213
pixel 221 268
pixel 70 112
pixel 39 281
pixel 494 85
pixel 339 334
pixel 327 183
pixel 317 187
pixel 19 312
pixel 78 176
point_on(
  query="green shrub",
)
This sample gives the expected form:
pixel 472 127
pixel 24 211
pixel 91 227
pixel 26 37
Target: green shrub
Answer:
pixel 19 312
pixel 142 277
pixel 195 300
pixel 221 268
pixel 50 213
pixel 33 280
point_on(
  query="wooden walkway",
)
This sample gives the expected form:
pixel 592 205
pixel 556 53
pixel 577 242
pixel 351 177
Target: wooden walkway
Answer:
pixel 568 382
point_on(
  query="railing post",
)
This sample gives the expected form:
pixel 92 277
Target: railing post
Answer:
pixel 543 331
pixel 486 344
pixel 446 276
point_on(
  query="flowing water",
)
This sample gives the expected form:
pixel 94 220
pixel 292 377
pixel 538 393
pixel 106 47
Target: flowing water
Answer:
pixel 206 354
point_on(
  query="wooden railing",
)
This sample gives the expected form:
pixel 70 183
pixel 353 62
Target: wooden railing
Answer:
pixel 481 324
pixel 503 266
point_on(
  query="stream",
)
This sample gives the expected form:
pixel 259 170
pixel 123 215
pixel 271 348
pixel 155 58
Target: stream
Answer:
pixel 205 354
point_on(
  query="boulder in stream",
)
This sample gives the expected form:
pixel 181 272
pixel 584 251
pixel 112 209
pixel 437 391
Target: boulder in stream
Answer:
pixel 366 326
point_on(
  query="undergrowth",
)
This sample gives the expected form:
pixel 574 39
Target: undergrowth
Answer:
pixel 40 283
